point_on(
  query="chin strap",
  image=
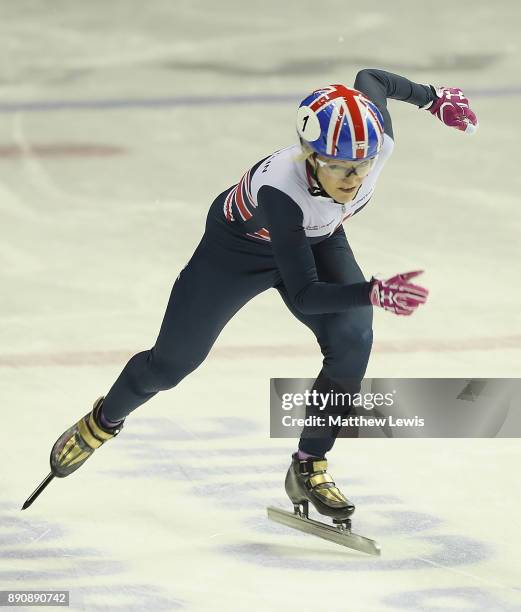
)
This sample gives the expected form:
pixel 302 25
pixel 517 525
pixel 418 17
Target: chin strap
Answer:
pixel 315 188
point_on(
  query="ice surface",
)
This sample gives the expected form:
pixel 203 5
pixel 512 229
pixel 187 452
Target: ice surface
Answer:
pixel 119 123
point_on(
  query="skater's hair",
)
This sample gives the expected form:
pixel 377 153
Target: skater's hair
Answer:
pixel 305 152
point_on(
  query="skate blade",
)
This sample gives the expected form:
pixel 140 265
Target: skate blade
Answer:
pixel 38 490
pixel 326 532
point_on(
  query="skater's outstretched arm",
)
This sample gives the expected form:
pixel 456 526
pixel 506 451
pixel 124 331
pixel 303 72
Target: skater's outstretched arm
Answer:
pixel 379 85
pixel 448 104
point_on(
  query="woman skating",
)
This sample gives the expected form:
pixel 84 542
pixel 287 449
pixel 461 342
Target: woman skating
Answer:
pixel 281 227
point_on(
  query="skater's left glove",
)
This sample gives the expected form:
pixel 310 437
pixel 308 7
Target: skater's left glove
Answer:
pixel 452 108
pixel 397 294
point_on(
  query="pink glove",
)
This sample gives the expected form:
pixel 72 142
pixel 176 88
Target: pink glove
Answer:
pixel 452 108
pixel 397 294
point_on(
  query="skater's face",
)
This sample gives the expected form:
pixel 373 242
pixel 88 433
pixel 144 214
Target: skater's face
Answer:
pixel 341 179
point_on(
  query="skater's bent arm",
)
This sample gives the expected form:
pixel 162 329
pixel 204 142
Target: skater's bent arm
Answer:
pixel 378 85
pixel 296 263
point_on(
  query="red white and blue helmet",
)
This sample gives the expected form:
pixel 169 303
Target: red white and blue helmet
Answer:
pixel 340 122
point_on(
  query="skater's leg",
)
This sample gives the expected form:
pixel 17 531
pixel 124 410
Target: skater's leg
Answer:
pixel 209 291
pixel 345 339
pixel 225 272
pixel 204 297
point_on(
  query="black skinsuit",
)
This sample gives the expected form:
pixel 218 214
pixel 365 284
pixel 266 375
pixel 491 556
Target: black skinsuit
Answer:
pixel 319 280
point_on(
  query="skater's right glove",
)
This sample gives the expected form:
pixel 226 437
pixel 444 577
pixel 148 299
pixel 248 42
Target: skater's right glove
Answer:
pixel 397 294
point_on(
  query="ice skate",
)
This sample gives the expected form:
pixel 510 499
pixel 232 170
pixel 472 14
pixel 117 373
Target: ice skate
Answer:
pixel 76 444
pixel 308 481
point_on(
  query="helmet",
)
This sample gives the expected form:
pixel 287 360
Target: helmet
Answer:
pixel 340 122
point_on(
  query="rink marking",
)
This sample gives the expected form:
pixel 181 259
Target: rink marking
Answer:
pixel 60 149
pixel 252 351
pixel 35 170
pixel 193 100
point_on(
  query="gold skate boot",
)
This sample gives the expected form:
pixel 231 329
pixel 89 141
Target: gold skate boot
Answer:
pixel 307 481
pixel 76 445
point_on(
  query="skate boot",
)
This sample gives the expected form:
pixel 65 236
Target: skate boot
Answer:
pixel 307 481
pixel 76 445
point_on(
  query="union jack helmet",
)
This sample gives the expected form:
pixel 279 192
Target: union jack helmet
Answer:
pixel 340 122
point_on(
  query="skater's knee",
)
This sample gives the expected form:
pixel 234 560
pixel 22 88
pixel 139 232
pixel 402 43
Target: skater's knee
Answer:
pixel 347 336
pixel 170 369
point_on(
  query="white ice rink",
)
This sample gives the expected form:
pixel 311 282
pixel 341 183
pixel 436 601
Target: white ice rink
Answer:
pixel 119 123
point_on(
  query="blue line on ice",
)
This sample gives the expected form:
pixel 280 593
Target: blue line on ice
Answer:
pixel 187 101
